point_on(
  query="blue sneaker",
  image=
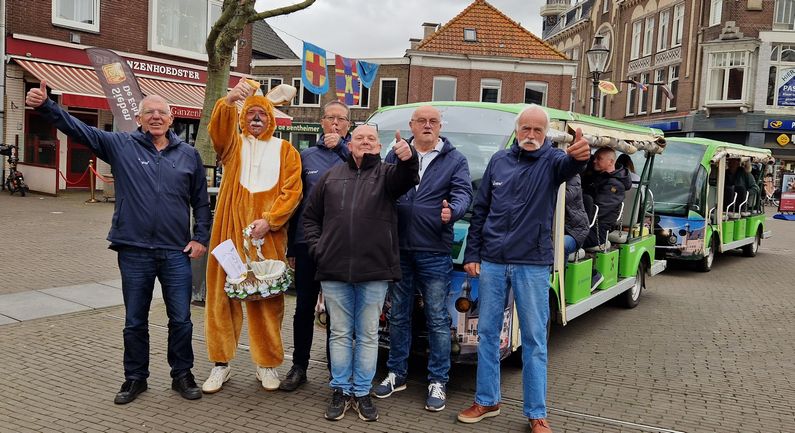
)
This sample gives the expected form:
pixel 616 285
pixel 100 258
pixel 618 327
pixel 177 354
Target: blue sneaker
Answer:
pixel 437 397
pixel 391 383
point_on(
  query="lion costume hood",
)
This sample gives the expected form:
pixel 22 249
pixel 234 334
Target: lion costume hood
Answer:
pixel 257 100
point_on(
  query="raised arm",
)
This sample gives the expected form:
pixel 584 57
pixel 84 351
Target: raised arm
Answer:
pixel 223 126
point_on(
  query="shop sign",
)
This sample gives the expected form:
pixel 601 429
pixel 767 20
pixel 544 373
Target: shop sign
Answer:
pixel 783 140
pixel 165 70
pixel 787 203
pixel 786 88
pixel 186 112
pixel 779 124
pixel 309 128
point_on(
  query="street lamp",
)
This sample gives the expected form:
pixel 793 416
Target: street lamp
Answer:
pixel 597 61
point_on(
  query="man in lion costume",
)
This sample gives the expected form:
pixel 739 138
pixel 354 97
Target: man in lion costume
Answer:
pixel 261 188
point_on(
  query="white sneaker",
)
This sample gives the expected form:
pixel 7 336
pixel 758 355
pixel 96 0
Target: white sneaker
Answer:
pixel 269 378
pixel 218 376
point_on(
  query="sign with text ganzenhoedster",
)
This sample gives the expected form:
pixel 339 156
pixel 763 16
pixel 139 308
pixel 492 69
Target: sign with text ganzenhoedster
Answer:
pixel 779 124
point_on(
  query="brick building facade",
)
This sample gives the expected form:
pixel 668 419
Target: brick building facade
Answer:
pixel 161 40
pixel 729 64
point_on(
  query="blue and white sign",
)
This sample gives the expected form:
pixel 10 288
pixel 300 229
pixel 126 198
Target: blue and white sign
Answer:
pixel 786 88
pixel 779 124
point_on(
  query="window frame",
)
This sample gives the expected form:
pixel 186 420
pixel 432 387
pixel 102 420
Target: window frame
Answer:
pixel 605 6
pixel 447 78
pixel 491 84
pixel 782 8
pixel 545 92
pixel 715 12
pixel 472 32
pixel 677 25
pixel 643 97
pixel 381 92
pixel 76 25
pixel 637 33
pixel 657 96
pixel 670 104
pixel 648 35
pixel 268 81
pixel 662 30
pixel 299 94
pixel 726 76
pixel 632 91
pixel 181 52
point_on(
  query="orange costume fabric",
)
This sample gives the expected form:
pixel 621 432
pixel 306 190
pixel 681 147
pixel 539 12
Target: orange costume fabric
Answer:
pixel 262 179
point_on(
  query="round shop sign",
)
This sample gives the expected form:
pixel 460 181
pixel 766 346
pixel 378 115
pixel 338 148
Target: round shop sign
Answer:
pixel 783 139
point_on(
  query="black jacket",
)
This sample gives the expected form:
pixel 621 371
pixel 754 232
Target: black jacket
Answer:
pixel 576 224
pixel 607 191
pixel 350 221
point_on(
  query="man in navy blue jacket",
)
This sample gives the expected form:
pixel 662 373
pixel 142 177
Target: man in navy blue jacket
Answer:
pixel 510 241
pixel 425 230
pixel 159 179
pixel 331 149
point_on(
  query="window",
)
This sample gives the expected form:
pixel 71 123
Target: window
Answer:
pixel 673 85
pixel 388 92
pixel 490 90
pixel 637 28
pixel 41 141
pixel 470 35
pixel 444 88
pixel 784 16
pixel 631 96
pixel 648 36
pixel 364 97
pixel 76 14
pixel 662 32
pixel 304 96
pixel 573 97
pixel 268 83
pixel 715 12
pixel 535 93
pixel 605 6
pixel 678 25
pixel 180 28
pixel 658 96
pixel 726 77
pixel 781 78
pixel 643 95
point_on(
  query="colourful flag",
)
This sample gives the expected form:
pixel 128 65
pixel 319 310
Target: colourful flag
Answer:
pixel 667 91
pixel 347 80
pixel 367 73
pixel 120 86
pixel 313 69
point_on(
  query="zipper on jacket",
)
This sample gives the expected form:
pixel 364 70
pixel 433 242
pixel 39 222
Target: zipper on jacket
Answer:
pixel 351 222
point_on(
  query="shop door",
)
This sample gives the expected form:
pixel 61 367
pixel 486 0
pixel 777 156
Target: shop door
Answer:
pixel 78 155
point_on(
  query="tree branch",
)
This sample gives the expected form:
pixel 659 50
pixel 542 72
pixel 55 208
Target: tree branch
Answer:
pixel 281 11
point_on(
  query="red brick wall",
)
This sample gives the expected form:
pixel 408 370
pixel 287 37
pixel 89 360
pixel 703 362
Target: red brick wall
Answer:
pixel 468 85
pixel 749 22
pixel 123 27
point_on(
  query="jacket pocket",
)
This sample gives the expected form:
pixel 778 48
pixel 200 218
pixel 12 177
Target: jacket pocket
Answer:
pixel 117 214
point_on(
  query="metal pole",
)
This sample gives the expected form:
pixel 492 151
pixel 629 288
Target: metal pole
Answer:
pixel 91 182
pixel 595 97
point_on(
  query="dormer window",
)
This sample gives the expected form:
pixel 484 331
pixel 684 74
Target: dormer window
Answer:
pixel 470 35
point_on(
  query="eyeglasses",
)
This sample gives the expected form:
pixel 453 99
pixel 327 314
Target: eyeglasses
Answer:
pixel 335 118
pixel 373 124
pixel 150 113
pixel 432 122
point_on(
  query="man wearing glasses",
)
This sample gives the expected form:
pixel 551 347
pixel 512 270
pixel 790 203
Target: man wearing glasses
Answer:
pixel 159 180
pixel 331 149
pixel 426 215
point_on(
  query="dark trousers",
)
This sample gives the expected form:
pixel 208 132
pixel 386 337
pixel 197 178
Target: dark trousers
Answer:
pixel 139 267
pixel 307 290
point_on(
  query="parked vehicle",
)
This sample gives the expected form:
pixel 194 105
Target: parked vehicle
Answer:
pixel 15 182
pixel 696 216
pixel 479 130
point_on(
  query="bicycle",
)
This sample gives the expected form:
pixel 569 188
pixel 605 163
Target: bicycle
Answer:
pixel 15 182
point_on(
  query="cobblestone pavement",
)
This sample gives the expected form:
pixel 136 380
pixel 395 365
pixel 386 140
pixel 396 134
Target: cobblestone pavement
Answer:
pixel 703 352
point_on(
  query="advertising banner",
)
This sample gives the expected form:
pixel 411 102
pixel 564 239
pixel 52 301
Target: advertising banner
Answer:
pixel 119 84
pixel 787 203
pixel 786 88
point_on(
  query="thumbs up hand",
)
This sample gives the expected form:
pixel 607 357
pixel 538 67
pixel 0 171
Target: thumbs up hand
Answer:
pixel 447 213
pixel 579 148
pixel 401 148
pixel 241 91
pixel 37 95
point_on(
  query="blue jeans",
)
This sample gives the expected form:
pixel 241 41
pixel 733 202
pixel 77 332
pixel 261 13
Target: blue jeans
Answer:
pixel 428 272
pixel 139 267
pixel 569 246
pixel 353 309
pixel 531 292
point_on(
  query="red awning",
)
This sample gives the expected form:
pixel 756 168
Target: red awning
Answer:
pixel 79 87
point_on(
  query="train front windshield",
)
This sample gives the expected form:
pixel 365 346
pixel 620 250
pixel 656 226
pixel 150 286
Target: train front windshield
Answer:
pixel 674 179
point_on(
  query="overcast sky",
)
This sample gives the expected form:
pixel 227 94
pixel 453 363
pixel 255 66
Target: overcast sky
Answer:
pixel 379 28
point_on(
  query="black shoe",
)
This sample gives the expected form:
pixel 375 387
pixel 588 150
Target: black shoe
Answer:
pixel 364 405
pixel 130 390
pixel 186 387
pixel 295 378
pixel 339 404
pixel 596 279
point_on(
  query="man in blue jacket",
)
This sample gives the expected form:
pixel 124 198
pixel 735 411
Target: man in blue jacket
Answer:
pixel 425 229
pixel 331 149
pixel 510 241
pixel 159 179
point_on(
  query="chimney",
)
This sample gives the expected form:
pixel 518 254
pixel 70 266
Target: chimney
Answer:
pixel 429 29
pixel 414 43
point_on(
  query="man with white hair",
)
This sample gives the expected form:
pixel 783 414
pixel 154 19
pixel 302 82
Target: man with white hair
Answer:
pixel 510 242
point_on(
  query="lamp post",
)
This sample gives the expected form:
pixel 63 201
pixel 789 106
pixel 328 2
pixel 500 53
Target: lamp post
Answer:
pixel 597 61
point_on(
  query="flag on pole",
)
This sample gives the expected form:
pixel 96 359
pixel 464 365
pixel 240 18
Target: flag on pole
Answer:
pixel 667 91
pixel 313 69
pixel 120 86
pixel 347 80
pixel 367 73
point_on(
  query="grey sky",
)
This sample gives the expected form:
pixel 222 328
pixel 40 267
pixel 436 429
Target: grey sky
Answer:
pixel 379 28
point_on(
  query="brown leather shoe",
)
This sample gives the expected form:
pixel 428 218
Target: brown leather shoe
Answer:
pixel 539 426
pixel 477 412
